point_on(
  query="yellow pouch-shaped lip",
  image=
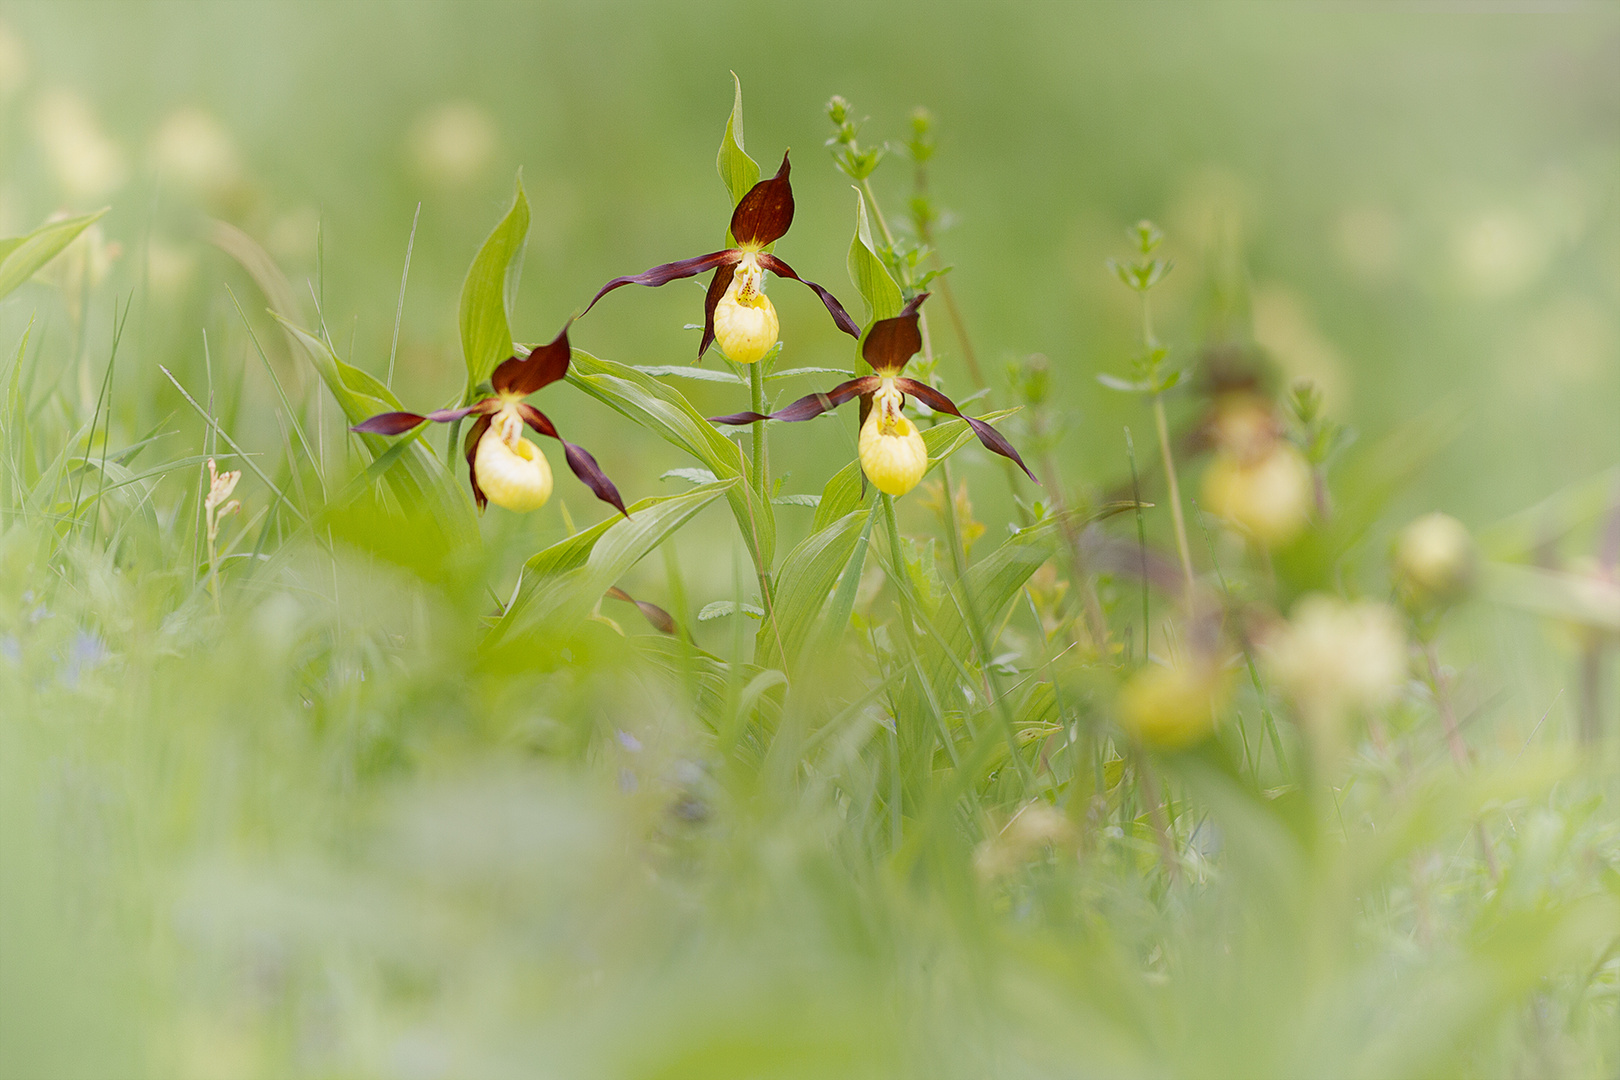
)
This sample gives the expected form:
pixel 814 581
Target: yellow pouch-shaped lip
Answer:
pixel 893 454
pixel 514 475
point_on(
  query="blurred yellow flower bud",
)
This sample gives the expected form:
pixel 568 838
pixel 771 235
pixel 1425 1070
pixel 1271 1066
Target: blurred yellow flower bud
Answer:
pixel 1171 707
pixel 745 323
pixel 453 144
pixel 1435 560
pixel 13 62
pixel 1244 425
pixel 194 150
pixel 511 470
pixel 1333 658
pixel 86 160
pixel 1269 497
pixel 892 452
pixel 1036 827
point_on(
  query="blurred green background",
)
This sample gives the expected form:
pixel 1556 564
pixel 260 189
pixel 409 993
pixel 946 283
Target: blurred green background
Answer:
pixel 1423 196
pixel 323 834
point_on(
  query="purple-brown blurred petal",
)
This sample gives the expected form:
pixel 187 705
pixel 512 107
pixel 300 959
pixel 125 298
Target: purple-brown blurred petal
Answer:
pixel 660 619
pixel 840 316
pixel 891 342
pixel 717 289
pixel 544 365
pixel 470 448
pixel 989 436
pixel 389 423
pixel 810 405
pixel 482 408
pixel 579 459
pixel 765 212
pixel 663 275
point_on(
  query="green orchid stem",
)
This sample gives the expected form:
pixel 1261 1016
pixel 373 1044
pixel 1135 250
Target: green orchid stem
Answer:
pixel 756 392
pixel 883 225
pixel 953 528
pixel 452 444
pixel 897 556
pixel 759 479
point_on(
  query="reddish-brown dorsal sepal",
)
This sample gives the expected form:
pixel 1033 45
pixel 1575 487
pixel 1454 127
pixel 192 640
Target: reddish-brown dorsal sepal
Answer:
pixel 892 342
pixel 544 365
pixel 764 214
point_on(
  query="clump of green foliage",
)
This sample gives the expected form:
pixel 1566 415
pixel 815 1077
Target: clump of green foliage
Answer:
pixel 1169 779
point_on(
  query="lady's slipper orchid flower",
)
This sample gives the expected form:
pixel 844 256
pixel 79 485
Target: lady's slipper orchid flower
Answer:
pixel 506 469
pixel 737 312
pixel 891 449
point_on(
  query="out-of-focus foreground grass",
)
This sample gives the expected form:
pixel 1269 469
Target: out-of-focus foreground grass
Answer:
pixel 306 817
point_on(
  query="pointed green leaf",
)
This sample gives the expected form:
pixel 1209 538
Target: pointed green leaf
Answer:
pixel 806 580
pixel 691 476
pixel 488 292
pixel 22 256
pixel 873 280
pixel 737 169
pixel 664 410
pixel 687 371
pixel 413 472
pixel 789 373
pixel 721 608
pixel 562 583
pixel 1114 382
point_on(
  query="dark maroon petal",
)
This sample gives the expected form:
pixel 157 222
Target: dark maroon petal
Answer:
pixel 586 468
pixel 765 212
pixel 470 448
pixel 389 423
pixel 717 288
pixel 544 365
pixel 579 459
pixel 739 419
pixel 536 419
pixel 891 342
pixel 663 275
pixel 989 436
pixel 482 408
pixel 660 619
pixel 809 406
pixel 840 316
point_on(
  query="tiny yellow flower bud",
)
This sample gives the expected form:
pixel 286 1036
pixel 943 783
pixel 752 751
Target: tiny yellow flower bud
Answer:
pixel 511 470
pixel 1434 560
pixel 892 452
pixel 1169 708
pixel 1268 498
pixel 745 323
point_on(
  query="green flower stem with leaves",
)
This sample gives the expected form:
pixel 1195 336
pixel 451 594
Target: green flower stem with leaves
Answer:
pixel 858 165
pixel 1162 425
pixel 1140 276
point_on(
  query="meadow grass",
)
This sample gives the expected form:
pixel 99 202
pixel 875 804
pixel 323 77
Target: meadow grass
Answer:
pixel 1187 769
